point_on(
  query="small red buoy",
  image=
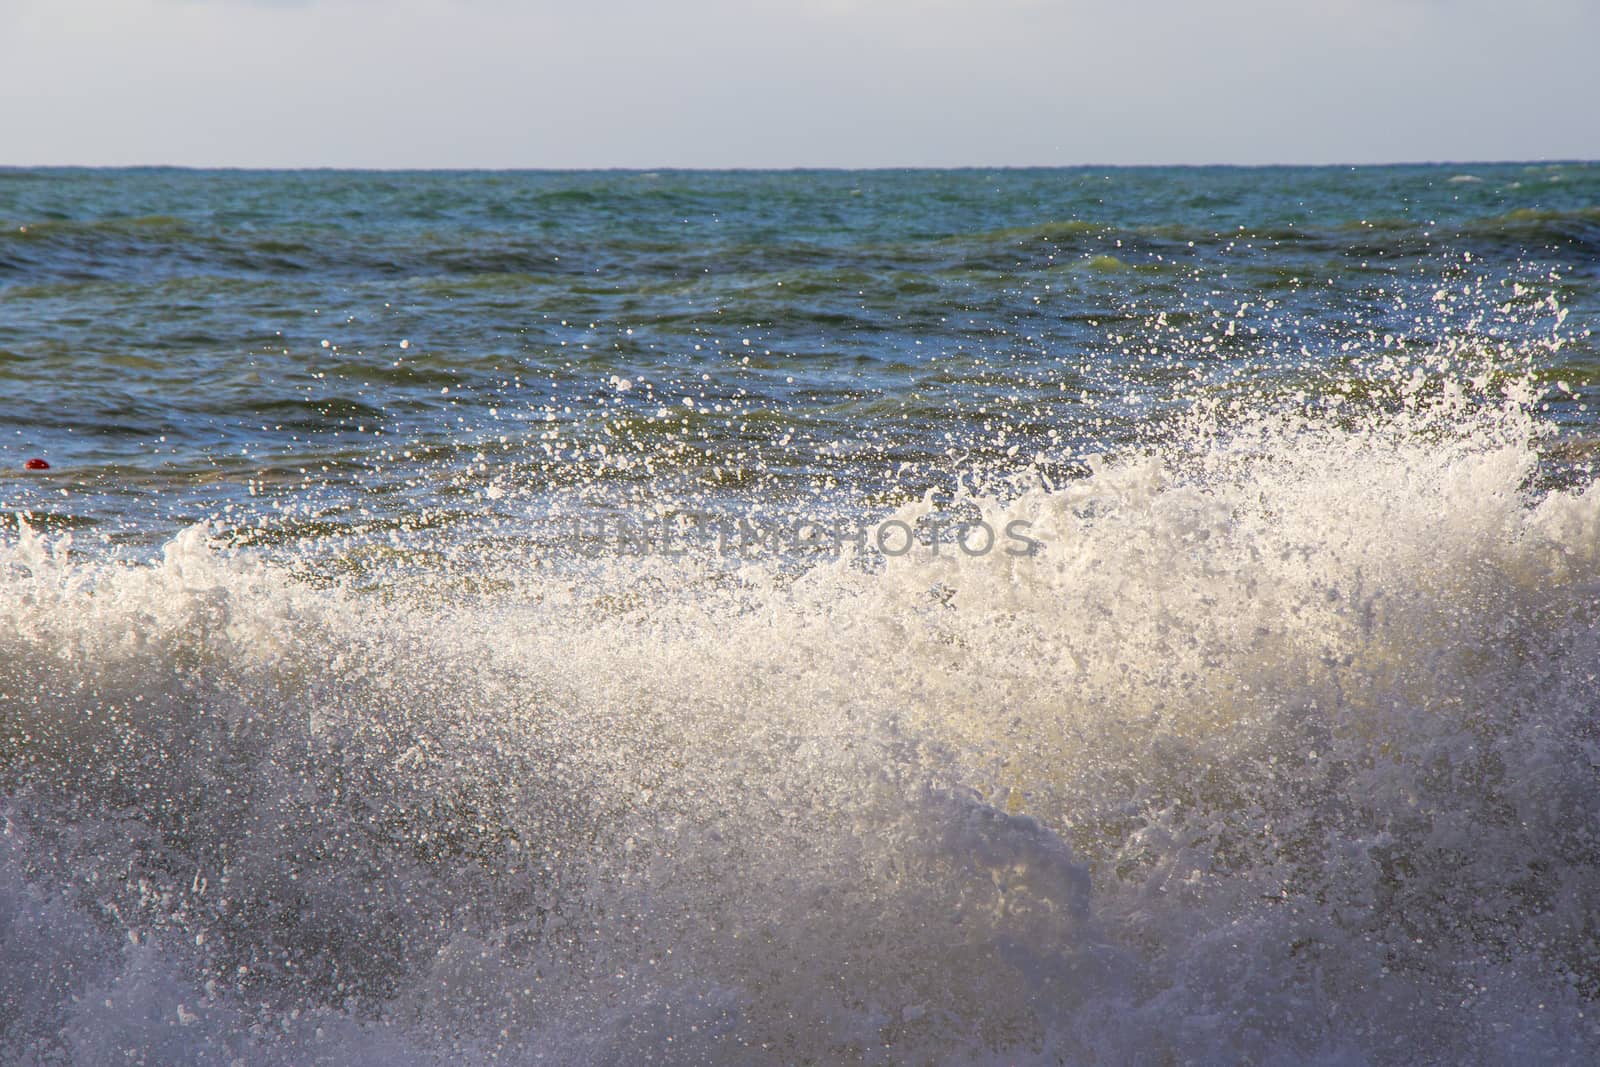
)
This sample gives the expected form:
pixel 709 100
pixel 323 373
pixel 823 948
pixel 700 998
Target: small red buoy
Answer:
pixel 36 464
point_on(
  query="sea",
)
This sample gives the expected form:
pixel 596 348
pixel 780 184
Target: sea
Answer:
pixel 991 616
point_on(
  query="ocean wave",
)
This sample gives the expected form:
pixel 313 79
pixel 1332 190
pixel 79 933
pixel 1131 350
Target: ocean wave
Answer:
pixel 1282 750
pixel 542 251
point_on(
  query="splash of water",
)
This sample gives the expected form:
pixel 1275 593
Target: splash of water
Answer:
pixel 1281 750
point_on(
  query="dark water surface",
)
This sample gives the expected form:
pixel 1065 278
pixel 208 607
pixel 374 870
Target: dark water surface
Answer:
pixel 171 339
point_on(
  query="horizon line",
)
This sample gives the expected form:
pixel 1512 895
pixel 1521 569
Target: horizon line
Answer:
pixel 791 168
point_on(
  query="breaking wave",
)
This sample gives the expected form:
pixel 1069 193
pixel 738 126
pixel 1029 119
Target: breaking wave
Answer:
pixel 1282 750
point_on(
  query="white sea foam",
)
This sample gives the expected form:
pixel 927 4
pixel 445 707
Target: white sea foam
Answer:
pixel 1282 751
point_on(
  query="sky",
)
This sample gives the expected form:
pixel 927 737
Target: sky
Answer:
pixel 781 83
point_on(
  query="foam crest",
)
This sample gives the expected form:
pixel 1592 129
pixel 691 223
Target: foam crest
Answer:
pixel 1280 749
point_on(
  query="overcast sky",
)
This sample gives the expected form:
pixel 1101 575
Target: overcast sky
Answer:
pixel 761 83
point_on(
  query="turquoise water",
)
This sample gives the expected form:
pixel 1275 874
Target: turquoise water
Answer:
pixel 547 617
pixel 169 338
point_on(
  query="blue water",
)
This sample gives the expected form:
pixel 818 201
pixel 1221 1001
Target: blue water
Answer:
pixel 456 625
pixel 168 337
